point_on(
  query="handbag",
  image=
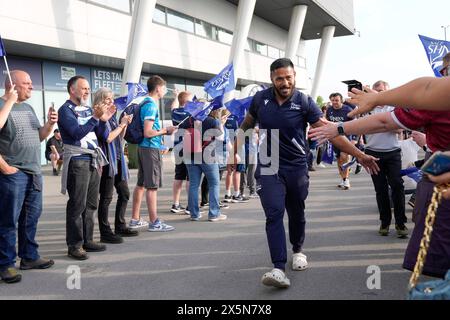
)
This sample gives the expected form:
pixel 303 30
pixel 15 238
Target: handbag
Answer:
pixel 431 290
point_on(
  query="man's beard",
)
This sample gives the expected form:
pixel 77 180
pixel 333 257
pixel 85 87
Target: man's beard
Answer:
pixel 285 96
pixel 84 102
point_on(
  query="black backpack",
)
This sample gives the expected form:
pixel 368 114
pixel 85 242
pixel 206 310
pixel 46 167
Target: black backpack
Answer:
pixel 135 131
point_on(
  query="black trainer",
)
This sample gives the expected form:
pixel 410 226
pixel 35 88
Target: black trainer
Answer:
pixel 111 238
pixel 127 232
pixel 40 263
pixel 94 247
pixel 239 199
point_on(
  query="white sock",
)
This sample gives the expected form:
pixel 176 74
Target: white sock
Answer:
pixel 228 193
pixel 236 194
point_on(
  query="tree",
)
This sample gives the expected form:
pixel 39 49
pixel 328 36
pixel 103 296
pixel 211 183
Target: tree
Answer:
pixel 319 101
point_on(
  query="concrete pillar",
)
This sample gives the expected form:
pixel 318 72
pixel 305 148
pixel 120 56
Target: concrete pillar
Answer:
pixel 327 35
pixel 295 31
pixel 244 18
pixel 140 29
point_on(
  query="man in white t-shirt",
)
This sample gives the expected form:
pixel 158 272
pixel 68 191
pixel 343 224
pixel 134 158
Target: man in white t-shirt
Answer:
pixel 385 146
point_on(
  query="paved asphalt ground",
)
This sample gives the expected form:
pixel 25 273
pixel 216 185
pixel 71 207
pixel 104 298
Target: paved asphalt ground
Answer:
pixel 225 260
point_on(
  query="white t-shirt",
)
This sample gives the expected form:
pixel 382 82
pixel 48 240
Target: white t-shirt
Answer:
pixel 410 150
pixel 384 141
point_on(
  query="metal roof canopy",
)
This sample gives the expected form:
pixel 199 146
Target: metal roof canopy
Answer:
pixel 278 12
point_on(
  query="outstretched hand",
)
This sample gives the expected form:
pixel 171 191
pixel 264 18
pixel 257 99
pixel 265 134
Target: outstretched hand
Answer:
pixel 369 163
pixel 366 101
pixel 323 133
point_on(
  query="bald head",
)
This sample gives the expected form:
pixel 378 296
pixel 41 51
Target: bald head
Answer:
pixel 23 83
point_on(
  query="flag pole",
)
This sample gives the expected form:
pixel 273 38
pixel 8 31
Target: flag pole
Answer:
pixel 7 70
pixel 183 120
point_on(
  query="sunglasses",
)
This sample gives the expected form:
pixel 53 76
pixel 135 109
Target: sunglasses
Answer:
pixel 445 71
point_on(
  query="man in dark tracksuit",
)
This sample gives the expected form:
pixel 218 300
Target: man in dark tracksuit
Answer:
pixel 282 176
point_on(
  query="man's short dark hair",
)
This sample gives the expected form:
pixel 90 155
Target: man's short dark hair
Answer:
pixel 153 82
pixel 337 94
pixel 56 130
pixel 72 82
pixel 281 63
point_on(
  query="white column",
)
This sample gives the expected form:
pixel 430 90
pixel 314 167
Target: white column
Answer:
pixel 295 31
pixel 327 35
pixel 140 29
pixel 240 34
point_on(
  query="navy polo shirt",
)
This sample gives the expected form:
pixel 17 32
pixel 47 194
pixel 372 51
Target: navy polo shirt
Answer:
pixel 339 115
pixel 291 120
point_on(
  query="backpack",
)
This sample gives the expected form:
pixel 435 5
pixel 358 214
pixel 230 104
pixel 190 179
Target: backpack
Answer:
pixel 192 139
pixel 135 131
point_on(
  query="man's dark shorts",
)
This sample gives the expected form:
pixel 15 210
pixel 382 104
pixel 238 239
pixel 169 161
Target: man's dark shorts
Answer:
pixel 149 168
pixel 181 172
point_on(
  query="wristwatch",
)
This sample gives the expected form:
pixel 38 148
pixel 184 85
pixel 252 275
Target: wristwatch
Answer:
pixel 341 129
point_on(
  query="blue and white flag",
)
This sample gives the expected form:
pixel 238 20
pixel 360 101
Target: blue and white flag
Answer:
pixel 198 110
pixel 2 48
pixel 328 154
pixel 217 103
pixel 413 172
pixel 436 50
pixel 222 83
pixel 239 107
pixel 135 90
pixel 347 165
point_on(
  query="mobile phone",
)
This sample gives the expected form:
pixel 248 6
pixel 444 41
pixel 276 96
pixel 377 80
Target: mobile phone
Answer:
pixel 52 107
pixel 438 164
pixel 353 84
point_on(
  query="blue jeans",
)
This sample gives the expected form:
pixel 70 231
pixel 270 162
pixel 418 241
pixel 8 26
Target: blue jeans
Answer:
pixel 20 203
pixel 211 172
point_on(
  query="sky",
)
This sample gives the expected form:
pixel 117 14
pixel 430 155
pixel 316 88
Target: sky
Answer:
pixel 388 47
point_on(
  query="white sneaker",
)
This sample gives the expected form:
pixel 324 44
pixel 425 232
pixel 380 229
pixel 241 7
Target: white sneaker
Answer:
pixel 299 262
pixel 346 184
pixel 321 165
pixel 276 278
pixel 136 224
pixel 341 185
pixel 220 217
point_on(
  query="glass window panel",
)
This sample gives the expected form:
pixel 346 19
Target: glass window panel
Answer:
pixel 159 15
pixel 273 52
pixel 196 88
pixel 205 29
pixel 121 5
pixel 225 36
pixel 261 48
pixel 282 54
pixel 180 21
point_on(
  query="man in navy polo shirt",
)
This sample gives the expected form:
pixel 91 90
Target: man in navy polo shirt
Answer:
pixel 282 173
pixel 338 112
